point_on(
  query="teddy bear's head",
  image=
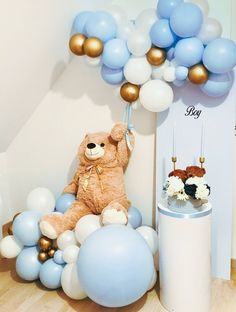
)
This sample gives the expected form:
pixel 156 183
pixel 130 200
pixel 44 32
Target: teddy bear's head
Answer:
pixel 180 174
pixel 195 171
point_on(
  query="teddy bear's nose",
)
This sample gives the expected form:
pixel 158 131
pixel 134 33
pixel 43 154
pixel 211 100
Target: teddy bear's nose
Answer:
pixel 91 145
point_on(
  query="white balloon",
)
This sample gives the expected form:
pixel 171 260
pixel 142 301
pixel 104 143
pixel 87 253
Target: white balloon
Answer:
pixel 10 247
pixel 156 95
pixel 156 261
pixel 70 254
pixel 158 71
pixel 117 12
pixel 70 282
pixel 146 19
pixel 169 74
pixel 66 239
pixel 125 30
pixel 139 43
pixel 153 281
pixel 203 5
pixel 137 70
pixel 211 30
pixel 41 199
pixel 150 237
pixel 86 226
pixel 93 61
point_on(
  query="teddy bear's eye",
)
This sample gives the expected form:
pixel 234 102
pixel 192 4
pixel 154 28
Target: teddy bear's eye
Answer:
pixel 102 144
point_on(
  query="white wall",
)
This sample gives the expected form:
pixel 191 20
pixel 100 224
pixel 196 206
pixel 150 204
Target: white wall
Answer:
pixel 5 203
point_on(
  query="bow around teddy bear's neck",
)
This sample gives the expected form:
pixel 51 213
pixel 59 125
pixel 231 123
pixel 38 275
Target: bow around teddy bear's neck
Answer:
pixel 88 172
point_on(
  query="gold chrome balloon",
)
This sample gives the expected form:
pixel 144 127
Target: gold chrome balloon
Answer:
pixel 93 47
pixel 51 253
pixel 76 44
pixel 43 256
pixel 45 243
pixel 198 74
pixel 156 56
pixel 129 92
pixel 9 230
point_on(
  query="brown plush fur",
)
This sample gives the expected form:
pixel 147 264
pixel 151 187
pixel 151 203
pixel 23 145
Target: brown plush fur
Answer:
pixel 180 174
pixel 105 193
pixel 195 171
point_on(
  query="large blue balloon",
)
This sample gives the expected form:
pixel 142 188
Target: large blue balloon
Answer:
pixel 186 20
pixel 165 7
pixel 27 264
pixel 80 22
pixel 188 52
pixel 26 227
pixel 50 274
pixel 218 85
pixel 134 217
pixel 115 54
pixel 101 25
pixel 161 34
pixel 220 56
pixel 115 266
pixel 112 76
pixel 64 202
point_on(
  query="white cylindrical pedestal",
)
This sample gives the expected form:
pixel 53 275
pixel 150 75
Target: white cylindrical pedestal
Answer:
pixel 185 260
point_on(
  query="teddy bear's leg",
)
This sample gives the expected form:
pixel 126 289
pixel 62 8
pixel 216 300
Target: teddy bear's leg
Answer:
pixel 53 225
pixel 116 212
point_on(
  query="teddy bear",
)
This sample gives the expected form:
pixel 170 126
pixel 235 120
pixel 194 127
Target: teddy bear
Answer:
pixel 179 173
pixel 195 171
pixel 98 182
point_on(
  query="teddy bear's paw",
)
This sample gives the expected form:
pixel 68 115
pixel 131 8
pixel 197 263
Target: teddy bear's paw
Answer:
pixel 118 131
pixel 48 230
pixel 114 216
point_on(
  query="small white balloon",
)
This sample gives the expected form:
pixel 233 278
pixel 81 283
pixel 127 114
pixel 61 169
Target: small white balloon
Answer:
pixel 86 226
pixel 211 30
pixel 156 95
pixel 203 5
pixel 41 199
pixel 70 254
pixel 139 43
pixel 158 71
pixel 146 19
pixel 10 247
pixel 117 12
pixel 169 74
pixel 156 261
pixel 150 237
pixel 125 30
pixel 137 70
pixel 93 61
pixel 153 281
pixel 66 239
pixel 70 282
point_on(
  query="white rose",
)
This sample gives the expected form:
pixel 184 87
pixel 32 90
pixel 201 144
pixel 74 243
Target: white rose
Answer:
pixel 196 180
pixel 176 184
pixel 202 192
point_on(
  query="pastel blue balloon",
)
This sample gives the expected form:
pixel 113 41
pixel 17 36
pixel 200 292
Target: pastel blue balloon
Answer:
pixel 80 22
pixel 50 274
pixel 102 25
pixel 188 52
pixel 170 53
pixel 58 257
pixel 186 20
pixel 112 76
pixel 115 266
pixel 181 73
pixel 179 83
pixel 220 56
pixel 27 264
pixel 64 202
pixel 115 54
pixel 161 34
pixel 26 227
pixel 217 85
pixel 165 7
pixel 134 217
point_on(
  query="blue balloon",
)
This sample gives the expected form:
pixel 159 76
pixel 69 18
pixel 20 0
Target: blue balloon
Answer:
pixel 188 52
pixel 27 264
pixel 134 217
pixel 50 274
pixel 26 227
pixel 58 257
pixel 64 202
pixel 80 22
pixel 186 20
pixel 170 53
pixel 220 56
pixel 181 73
pixel 112 76
pixel 179 83
pixel 101 25
pixel 115 54
pixel 218 85
pixel 165 7
pixel 161 34
pixel 115 266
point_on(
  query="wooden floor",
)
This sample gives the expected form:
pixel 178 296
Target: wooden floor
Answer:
pixel 19 296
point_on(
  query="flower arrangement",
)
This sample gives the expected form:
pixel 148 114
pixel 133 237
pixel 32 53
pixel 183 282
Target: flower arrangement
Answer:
pixel 188 184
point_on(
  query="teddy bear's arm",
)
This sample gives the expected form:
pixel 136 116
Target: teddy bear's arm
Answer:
pixel 123 151
pixel 72 187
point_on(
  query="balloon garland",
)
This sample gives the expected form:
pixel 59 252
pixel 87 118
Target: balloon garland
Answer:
pixel 173 44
